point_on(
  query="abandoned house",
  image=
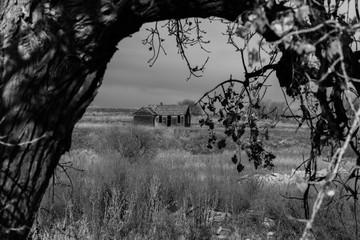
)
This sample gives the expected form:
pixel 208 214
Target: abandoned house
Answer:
pixel 163 115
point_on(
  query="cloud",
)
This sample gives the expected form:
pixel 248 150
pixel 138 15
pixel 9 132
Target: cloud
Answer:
pixel 130 82
pixel 134 98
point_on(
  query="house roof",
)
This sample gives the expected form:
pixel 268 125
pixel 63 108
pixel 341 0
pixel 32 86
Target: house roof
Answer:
pixel 170 109
pixel 147 109
pixel 164 110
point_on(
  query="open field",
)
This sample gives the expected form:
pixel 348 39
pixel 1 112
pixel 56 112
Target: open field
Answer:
pixel 107 115
pixel 126 182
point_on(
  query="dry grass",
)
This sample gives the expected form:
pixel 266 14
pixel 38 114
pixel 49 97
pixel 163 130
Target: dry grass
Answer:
pixel 172 195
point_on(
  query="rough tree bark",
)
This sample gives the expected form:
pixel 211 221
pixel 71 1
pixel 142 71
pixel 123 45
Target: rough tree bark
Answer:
pixel 53 57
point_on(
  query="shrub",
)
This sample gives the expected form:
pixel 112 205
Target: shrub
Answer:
pixel 133 143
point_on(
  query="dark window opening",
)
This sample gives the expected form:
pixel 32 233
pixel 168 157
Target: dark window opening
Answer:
pixel 160 119
pixel 178 118
pixel 168 121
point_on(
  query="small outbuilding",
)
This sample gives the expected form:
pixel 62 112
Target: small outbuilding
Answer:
pixel 145 116
pixel 163 115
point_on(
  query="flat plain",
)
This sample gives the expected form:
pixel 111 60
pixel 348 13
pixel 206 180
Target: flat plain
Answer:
pixel 121 181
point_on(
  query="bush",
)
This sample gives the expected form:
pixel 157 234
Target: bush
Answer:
pixel 133 143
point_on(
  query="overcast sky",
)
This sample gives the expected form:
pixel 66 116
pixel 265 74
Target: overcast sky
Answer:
pixel 130 82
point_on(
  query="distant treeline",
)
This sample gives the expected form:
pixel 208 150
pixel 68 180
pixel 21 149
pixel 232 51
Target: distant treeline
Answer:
pixel 111 110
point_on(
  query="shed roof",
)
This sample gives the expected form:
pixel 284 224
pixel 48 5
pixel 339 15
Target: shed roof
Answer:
pixel 146 109
pixel 170 109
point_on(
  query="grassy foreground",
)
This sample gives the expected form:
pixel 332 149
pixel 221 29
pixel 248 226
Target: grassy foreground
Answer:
pixel 145 183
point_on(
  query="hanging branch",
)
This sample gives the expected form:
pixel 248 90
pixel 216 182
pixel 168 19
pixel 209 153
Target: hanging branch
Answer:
pixel 236 112
pixel 182 30
pixel 154 43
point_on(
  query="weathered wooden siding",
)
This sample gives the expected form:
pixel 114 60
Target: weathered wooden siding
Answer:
pixel 143 116
pixel 143 119
pixel 174 121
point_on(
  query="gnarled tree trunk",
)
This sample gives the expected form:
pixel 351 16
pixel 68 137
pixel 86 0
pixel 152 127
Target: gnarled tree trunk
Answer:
pixel 53 57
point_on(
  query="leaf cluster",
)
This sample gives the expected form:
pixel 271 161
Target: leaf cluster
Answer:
pixel 234 109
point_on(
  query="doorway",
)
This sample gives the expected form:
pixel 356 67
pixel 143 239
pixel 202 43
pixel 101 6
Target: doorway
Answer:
pixel 168 121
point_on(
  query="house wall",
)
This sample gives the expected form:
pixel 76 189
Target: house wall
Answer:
pixel 145 120
pixel 174 121
pixel 144 117
pixel 187 119
pixel 157 123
